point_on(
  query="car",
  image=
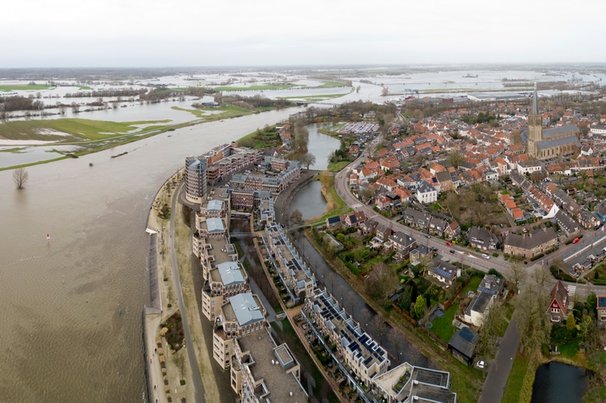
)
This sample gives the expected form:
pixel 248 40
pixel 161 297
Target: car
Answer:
pixel 485 256
pixel 452 251
pixel 480 364
pixel 576 240
pixel 428 236
pixel 448 243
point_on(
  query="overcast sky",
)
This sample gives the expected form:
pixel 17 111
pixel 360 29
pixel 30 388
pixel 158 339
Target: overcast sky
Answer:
pixel 132 33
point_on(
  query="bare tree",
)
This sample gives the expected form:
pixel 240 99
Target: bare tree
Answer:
pixel 20 177
pixel 381 281
pixel 308 159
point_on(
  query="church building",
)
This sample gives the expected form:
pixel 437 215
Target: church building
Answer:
pixel 545 144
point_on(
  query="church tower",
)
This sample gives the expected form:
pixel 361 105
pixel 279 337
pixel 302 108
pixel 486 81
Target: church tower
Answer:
pixel 535 125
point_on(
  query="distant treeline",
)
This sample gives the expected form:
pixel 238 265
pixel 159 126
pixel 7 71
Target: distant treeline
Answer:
pixel 122 92
pixel 256 102
pixel 18 103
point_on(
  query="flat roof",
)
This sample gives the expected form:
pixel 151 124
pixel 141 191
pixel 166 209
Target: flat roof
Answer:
pixel 245 308
pixel 280 384
pixel 214 205
pixel 215 225
pixel 230 272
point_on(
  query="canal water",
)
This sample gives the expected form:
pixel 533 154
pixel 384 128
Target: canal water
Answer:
pixel 71 321
pixel 558 383
pixel 309 199
pixel 321 146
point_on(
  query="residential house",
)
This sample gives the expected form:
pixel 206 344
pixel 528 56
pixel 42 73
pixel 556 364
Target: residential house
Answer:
pixel 402 244
pixel 437 226
pixel 482 239
pixel 444 272
pixel 601 307
pixel 528 167
pixel 478 308
pixel 567 224
pixel 530 245
pixel 420 254
pixel 426 193
pixel 416 219
pixel 453 230
pixel 559 305
pixel 463 344
pixel 491 284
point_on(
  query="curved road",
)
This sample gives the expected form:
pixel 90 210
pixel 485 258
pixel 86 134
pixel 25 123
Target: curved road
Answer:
pixel 191 353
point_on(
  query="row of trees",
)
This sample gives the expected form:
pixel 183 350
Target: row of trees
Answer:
pixel 19 103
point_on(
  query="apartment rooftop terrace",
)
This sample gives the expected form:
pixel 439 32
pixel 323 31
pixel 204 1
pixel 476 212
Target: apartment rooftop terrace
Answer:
pixel 270 363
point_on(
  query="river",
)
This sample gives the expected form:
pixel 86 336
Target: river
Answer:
pixel 71 328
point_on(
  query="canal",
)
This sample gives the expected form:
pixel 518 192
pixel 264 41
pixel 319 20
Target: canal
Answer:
pixel 556 382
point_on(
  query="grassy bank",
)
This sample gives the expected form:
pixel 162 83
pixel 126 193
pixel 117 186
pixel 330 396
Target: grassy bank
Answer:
pixel 519 383
pixel 334 204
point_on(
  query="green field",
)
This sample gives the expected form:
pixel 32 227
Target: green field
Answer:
pixel 23 87
pixel 78 129
pixel 333 84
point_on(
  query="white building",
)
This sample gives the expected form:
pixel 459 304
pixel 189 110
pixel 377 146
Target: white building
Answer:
pixel 426 193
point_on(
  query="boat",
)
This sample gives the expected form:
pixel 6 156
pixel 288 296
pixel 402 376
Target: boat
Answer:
pixel 119 155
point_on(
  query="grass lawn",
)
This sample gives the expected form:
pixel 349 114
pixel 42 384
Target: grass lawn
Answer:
pixel 23 87
pixel 472 285
pixel 80 128
pixel 443 327
pixel 337 166
pixel 519 383
pixel 569 349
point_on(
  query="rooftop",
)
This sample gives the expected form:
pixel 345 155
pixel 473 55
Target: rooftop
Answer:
pixel 270 363
pixel 230 272
pixel 214 205
pixel 245 308
pixel 215 225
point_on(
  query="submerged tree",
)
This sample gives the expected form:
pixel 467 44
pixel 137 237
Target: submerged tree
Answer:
pixel 20 177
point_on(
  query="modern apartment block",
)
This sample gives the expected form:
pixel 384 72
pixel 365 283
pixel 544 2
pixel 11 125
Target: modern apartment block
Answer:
pixel 357 350
pixel 290 266
pixel 407 383
pixel 270 180
pixel 196 179
pixel 262 371
pixel 215 166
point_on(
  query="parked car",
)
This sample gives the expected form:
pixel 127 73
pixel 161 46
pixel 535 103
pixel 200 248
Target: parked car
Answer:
pixel 480 364
pixel 452 251
pixel 485 256
pixel 448 243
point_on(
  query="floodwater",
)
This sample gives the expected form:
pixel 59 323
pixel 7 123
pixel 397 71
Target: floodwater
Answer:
pixel 559 383
pixel 26 155
pixel 71 322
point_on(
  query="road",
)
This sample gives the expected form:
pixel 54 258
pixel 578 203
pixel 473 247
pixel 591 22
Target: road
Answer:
pixel 191 354
pixel 498 373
